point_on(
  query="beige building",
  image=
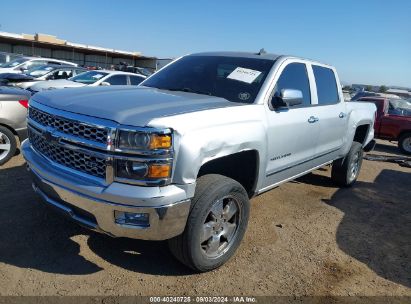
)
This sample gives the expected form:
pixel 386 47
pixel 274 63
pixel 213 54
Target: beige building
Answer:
pixel 44 45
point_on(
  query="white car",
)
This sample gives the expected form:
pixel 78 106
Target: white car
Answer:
pixel 90 78
pixel 49 72
pixel 22 64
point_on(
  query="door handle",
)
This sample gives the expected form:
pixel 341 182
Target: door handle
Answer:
pixel 312 119
pixel 342 115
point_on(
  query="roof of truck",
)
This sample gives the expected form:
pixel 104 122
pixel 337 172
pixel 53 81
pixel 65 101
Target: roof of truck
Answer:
pixel 268 56
pixel 239 54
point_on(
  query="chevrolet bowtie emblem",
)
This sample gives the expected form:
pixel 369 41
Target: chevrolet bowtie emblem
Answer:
pixel 48 136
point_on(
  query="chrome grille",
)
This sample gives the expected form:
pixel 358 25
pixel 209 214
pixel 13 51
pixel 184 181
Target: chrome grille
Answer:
pixel 73 159
pixel 71 127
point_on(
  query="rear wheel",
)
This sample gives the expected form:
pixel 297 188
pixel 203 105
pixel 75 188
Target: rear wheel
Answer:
pixel 216 224
pixel 404 143
pixel 345 170
pixel 8 145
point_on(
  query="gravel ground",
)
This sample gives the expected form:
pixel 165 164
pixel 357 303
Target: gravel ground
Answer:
pixel 305 237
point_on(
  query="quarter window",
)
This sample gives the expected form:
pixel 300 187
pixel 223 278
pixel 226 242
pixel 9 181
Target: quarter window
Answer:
pixel 294 76
pixel 326 85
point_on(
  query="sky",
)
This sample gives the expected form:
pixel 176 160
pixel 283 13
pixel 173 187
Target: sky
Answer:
pixel 368 41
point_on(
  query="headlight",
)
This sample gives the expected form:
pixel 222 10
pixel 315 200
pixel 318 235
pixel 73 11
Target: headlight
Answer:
pixel 132 140
pixel 142 171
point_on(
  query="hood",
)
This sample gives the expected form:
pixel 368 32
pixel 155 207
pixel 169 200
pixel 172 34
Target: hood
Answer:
pixel 56 84
pixel 129 105
pixel 16 77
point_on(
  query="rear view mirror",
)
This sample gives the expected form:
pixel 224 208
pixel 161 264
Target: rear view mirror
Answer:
pixel 105 83
pixel 287 98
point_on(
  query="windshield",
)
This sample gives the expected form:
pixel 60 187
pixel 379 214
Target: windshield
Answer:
pixel 400 107
pixel 39 71
pixel 14 63
pixel 236 79
pixel 88 77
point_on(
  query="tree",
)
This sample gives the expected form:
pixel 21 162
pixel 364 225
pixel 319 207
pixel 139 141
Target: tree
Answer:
pixel 383 89
pixel 368 88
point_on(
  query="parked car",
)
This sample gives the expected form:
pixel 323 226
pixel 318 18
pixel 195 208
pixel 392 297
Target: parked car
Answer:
pixel 23 64
pixel 90 78
pixel 13 113
pixel 393 121
pixel 179 156
pixel 41 73
pixel 7 57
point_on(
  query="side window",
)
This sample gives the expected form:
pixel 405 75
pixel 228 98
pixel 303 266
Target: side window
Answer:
pixel 326 85
pixel 295 77
pixel 136 80
pixel 54 62
pixel 117 80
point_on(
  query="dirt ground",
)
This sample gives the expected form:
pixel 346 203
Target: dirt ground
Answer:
pixel 306 237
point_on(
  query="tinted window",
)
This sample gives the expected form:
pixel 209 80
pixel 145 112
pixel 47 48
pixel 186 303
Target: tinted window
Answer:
pixel 294 76
pixel 236 79
pixel 326 85
pixel 117 80
pixel 136 80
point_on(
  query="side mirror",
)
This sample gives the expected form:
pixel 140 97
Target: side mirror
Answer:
pixel 287 98
pixel 105 83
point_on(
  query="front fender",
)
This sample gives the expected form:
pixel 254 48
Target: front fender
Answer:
pixel 203 145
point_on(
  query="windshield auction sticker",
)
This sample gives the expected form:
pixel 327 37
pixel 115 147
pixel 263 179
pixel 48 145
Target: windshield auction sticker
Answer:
pixel 244 75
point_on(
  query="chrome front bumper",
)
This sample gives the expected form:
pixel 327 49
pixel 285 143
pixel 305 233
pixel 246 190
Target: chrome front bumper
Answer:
pixel 94 206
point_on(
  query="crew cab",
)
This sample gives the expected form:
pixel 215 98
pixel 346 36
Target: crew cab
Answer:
pixel 393 121
pixel 179 157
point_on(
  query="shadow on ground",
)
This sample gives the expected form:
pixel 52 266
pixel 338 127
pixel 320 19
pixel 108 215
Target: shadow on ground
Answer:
pixel 385 147
pixel 34 236
pixel 376 227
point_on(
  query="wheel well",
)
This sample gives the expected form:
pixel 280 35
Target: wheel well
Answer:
pixel 242 167
pixel 10 128
pixel 404 132
pixel 361 133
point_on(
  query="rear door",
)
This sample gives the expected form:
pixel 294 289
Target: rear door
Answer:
pixel 330 112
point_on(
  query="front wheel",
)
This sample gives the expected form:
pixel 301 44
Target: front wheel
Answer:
pixel 345 170
pixel 8 145
pixel 404 143
pixel 216 224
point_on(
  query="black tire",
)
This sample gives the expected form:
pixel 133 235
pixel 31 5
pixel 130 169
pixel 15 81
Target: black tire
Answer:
pixel 404 143
pixel 7 138
pixel 343 173
pixel 211 191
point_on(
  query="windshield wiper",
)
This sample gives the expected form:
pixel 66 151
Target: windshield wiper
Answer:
pixel 189 90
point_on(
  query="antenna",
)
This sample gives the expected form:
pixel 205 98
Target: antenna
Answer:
pixel 262 52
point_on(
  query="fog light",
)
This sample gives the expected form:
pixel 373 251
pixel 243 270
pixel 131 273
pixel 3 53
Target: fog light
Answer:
pixel 132 219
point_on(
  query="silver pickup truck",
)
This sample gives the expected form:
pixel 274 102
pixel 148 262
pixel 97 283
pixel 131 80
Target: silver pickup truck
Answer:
pixel 179 157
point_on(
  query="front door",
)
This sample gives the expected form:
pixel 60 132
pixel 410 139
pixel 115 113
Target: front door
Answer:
pixel 292 133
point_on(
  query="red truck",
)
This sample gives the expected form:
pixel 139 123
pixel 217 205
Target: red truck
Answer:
pixel 393 121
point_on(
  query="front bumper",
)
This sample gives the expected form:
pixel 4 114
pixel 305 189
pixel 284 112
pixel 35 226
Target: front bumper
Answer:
pixel 93 205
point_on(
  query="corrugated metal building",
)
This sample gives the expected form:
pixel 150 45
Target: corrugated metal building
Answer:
pixel 50 46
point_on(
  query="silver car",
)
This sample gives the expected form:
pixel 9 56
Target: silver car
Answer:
pixel 91 78
pixel 13 112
